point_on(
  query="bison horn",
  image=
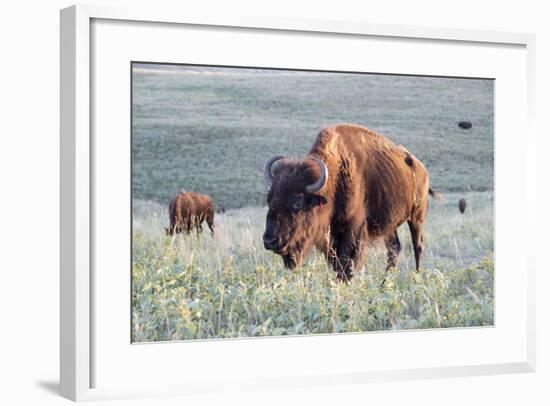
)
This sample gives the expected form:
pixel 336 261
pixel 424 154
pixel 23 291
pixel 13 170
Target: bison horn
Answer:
pixel 268 176
pixel 322 180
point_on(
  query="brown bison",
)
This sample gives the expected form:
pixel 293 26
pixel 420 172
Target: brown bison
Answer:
pixel 353 186
pixel 188 210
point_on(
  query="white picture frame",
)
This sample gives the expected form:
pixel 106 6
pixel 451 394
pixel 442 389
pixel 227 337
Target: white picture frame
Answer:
pixel 77 213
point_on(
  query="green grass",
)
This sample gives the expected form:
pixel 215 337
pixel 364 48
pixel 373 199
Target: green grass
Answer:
pixel 212 133
pixel 186 287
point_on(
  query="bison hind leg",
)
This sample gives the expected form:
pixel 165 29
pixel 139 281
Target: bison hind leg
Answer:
pixel 210 222
pixel 417 236
pixel 393 246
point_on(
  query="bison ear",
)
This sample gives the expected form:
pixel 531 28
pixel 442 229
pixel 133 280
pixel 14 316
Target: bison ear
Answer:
pixel 316 201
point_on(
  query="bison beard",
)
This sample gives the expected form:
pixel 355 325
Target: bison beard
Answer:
pixel 353 186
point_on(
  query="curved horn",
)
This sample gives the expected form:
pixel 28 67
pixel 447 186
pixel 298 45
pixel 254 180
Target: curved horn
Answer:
pixel 268 176
pixel 322 180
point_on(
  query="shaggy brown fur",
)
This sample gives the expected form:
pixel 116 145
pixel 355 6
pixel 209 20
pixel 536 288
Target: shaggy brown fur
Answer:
pixel 373 187
pixel 188 211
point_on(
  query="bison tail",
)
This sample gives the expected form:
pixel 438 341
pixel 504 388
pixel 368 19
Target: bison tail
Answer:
pixel 438 197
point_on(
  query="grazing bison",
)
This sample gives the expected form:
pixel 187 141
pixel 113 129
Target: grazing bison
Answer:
pixel 465 125
pixel 353 186
pixel 188 211
pixel 462 205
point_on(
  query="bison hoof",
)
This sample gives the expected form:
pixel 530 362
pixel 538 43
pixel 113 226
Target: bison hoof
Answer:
pixel 343 277
pixel 290 261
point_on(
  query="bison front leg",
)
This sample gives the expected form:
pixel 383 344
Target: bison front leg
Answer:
pixel 177 227
pixel 347 249
pixel 199 229
pixel 187 226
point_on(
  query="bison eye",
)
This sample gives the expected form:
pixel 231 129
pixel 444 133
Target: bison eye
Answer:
pixel 299 204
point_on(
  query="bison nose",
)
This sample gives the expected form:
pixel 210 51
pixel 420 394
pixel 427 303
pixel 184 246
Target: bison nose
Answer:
pixel 270 242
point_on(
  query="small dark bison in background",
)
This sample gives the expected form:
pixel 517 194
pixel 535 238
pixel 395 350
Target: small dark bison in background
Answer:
pixel 353 186
pixel 188 210
pixel 462 205
pixel 465 125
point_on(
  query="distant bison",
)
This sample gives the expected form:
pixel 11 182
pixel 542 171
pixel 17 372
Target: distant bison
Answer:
pixel 188 210
pixel 353 185
pixel 465 125
pixel 462 205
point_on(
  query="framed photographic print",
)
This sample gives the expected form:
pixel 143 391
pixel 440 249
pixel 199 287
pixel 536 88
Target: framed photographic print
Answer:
pixel 239 197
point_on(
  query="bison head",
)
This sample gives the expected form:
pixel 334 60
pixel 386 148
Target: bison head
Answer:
pixel 294 200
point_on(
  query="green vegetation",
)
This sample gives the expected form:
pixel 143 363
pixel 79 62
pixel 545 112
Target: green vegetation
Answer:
pixel 211 130
pixel 186 287
pixel 211 133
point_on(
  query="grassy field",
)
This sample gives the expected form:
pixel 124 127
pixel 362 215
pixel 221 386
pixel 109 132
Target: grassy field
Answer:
pixel 186 287
pixel 210 131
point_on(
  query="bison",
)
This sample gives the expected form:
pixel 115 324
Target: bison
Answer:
pixel 353 186
pixel 465 125
pixel 462 205
pixel 188 210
